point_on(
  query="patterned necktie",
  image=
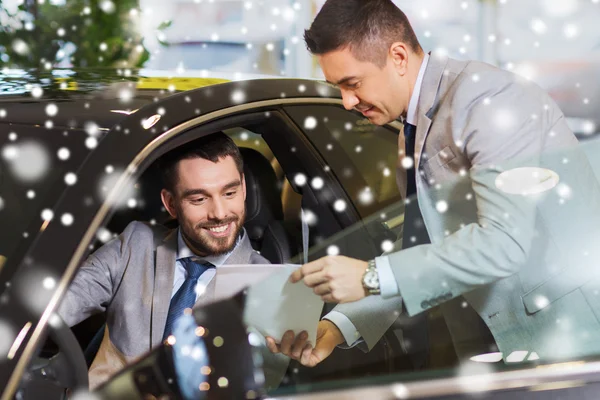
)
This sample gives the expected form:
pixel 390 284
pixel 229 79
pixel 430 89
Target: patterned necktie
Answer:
pixel 409 145
pixel 185 297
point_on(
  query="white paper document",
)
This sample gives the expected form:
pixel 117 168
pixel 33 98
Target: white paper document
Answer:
pixel 273 305
pixel 231 279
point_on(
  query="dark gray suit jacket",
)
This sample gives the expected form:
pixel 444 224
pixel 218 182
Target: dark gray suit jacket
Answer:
pixel 131 279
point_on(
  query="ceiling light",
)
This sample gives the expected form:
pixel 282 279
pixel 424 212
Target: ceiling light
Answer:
pixel 488 357
pixel 527 180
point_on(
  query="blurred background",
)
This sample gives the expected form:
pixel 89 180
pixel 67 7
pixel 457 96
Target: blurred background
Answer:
pixel 555 43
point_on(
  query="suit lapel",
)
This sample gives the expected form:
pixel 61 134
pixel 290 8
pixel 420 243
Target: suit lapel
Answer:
pixel 164 272
pixel 241 254
pixel 427 99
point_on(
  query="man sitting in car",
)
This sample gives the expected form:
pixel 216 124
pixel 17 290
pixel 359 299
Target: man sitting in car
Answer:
pixel 149 275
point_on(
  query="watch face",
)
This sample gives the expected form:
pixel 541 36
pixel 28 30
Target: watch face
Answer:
pixel 371 280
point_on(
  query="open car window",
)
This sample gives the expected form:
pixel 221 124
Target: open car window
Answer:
pixel 362 156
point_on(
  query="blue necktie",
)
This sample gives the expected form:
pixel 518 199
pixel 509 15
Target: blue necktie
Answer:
pixel 410 132
pixel 185 297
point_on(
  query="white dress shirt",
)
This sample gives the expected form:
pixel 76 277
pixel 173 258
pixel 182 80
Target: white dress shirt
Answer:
pixel 387 281
pixel 184 251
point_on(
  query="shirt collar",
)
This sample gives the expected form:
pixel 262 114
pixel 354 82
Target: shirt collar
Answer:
pixel 411 114
pixel 184 251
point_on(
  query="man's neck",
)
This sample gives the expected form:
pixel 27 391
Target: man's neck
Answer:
pixel 191 246
pixel 414 66
pixel 415 70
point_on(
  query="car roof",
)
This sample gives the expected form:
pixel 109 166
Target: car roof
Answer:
pixel 17 82
pixel 98 96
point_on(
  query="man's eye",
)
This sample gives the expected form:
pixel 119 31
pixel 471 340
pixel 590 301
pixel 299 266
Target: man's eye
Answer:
pixel 198 200
pixel 230 194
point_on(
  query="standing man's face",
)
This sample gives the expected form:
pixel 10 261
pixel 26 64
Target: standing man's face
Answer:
pixel 380 94
pixel 209 203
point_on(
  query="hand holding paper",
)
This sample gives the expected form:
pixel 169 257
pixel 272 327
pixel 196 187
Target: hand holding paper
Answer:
pixel 275 306
pixel 287 314
pixel 337 279
pixel 297 348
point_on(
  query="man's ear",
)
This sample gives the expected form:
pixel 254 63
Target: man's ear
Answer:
pixel 169 202
pixel 244 185
pixel 399 55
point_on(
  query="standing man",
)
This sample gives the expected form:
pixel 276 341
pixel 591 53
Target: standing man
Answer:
pixel 510 203
pixel 146 277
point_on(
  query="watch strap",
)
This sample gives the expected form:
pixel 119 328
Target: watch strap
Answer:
pixel 371 266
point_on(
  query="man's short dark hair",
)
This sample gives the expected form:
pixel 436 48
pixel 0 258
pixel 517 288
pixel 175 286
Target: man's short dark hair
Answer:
pixel 367 27
pixel 213 147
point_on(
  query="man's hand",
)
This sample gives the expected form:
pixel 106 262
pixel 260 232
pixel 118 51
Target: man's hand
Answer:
pixel 328 337
pixel 337 279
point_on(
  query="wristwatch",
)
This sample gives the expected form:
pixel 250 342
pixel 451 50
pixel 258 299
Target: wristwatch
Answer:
pixel 370 279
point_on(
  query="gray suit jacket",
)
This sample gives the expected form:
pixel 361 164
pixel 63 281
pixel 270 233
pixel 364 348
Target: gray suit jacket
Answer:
pixel 525 263
pixel 131 279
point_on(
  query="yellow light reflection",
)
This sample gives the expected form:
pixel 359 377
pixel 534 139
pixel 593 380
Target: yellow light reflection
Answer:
pixel 44 225
pixel 205 370
pixel 200 331
pixel 17 343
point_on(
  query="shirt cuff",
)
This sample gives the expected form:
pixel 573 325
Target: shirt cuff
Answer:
pixel 387 280
pixel 351 335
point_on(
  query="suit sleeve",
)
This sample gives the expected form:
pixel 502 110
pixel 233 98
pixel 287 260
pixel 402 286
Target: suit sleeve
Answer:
pixel 98 277
pixel 372 317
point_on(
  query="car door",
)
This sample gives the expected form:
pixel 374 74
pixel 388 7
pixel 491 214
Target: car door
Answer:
pixel 88 198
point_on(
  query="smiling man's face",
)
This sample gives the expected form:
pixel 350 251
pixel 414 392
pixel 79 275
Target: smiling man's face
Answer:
pixel 381 94
pixel 209 203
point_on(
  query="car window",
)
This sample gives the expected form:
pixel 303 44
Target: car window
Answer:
pixel 35 165
pixel 246 138
pixel 290 200
pixel 362 156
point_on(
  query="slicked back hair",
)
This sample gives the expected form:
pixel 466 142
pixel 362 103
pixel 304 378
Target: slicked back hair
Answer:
pixel 213 147
pixel 367 27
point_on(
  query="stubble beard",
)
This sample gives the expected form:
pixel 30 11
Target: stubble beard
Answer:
pixel 201 243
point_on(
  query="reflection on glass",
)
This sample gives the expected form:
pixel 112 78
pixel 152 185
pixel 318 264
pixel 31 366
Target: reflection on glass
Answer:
pixel 18 340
